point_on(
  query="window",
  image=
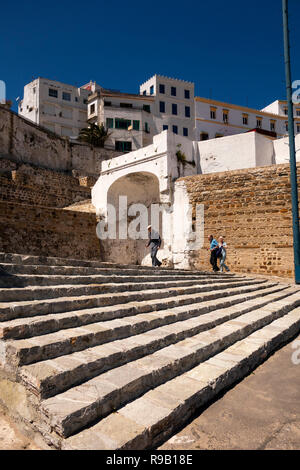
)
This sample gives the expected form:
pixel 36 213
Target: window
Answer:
pixel 165 127
pixel 285 111
pixel 76 99
pixel 151 89
pixel 147 129
pixel 34 90
pixel 109 123
pixel 161 88
pixel 146 107
pixel 162 106
pixel 187 111
pixel 245 119
pixel 187 94
pixel 258 123
pixel 92 109
pixel 53 93
pixel 298 128
pixel 66 96
pixel 272 125
pixel 225 116
pixel 85 101
pixel 144 92
pixel 185 132
pixel 204 136
pixel 107 103
pixel 122 123
pixel 125 105
pixel 122 146
pixel 212 113
pixel 136 125
pixel 175 129
pixel 173 90
pixel 297 112
pixel 286 126
pixel 174 108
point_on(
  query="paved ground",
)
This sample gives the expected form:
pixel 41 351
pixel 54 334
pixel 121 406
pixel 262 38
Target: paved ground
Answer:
pixel 261 412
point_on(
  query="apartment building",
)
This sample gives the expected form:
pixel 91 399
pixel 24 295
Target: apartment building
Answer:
pixel 133 119
pixel 128 118
pixel 57 106
pixel 174 107
pixel 217 119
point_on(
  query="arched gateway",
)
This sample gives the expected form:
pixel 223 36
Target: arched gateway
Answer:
pixel 137 189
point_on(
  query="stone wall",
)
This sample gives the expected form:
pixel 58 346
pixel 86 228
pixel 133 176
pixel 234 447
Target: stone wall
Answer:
pixel 23 183
pixel 24 142
pixel 252 210
pixel 48 231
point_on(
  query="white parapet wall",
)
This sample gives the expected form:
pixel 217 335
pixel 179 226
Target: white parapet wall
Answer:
pixel 282 150
pixel 235 152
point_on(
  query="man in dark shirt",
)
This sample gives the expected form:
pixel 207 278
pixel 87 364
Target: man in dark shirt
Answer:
pixel 154 243
pixel 213 252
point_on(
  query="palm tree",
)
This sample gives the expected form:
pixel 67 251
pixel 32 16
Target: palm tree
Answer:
pixel 94 135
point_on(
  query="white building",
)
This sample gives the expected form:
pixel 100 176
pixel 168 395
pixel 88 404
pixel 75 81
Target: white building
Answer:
pixel 174 107
pixel 57 106
pixel 133 119
pixel 218 119
pixel 128 118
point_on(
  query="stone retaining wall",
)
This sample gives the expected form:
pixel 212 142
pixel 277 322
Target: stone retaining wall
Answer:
pixel 252 210
pixel 38 230
pixel 24 142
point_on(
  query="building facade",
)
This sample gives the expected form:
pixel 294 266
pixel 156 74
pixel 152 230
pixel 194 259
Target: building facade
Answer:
pixel 56 106
pixel 174 107
pixel 163 103
pixel 217 119
pixel 128 118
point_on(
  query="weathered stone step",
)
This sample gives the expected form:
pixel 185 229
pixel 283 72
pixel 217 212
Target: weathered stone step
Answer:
pixel 50 291
pixel 25 280
pixel 46 346
pixel 80 406
pixel 53 376
pixel 14 270
pixel 22 328
pixel 16 259
pixel 17 269
pixel 11 310
pixel 148 421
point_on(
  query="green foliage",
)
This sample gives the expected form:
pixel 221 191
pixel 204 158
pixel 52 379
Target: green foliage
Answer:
pixel 94 135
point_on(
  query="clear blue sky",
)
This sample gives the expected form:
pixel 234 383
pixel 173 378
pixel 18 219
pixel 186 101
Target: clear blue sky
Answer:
pixel 232 50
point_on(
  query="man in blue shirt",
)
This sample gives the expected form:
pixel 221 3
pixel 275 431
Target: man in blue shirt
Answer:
pixel 214 246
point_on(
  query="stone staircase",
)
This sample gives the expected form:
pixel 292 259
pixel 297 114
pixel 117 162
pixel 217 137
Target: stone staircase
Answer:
pixel 108 356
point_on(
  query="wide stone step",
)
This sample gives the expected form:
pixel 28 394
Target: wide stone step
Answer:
pixel 38 348
pixel 53 376
pixel 80 406
pixel 25 280
pixel 151 419
pixel 22 328
pixel 18 259
pixel 50 291
pixel 11 310
pixel 17 269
